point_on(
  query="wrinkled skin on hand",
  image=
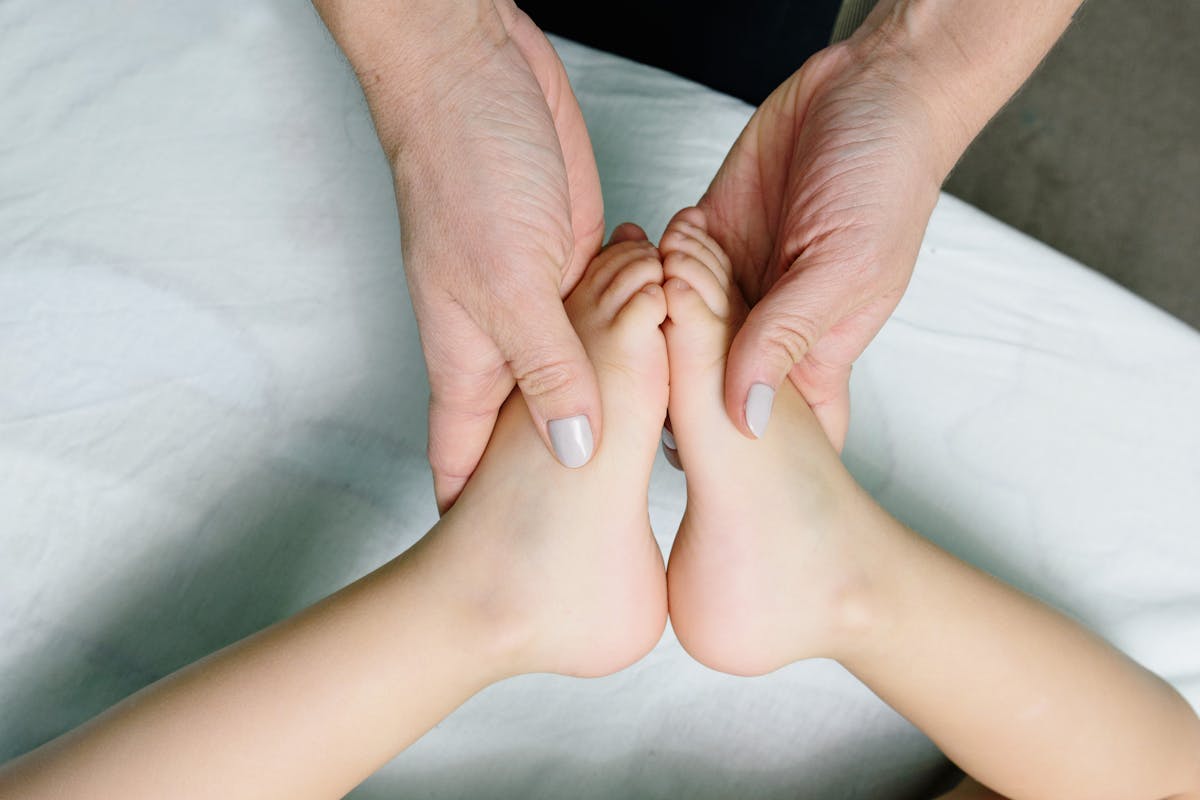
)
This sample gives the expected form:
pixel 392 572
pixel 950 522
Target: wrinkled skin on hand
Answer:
pixel 821 205
pixel 500 212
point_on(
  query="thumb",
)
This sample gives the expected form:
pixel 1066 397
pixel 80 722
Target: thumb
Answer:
pixel 778 335
pixel 555 377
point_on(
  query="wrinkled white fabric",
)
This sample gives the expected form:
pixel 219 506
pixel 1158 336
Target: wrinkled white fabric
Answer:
pixel 212 410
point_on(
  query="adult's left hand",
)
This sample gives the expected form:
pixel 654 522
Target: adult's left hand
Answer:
pixel 821 205
pixel 823 201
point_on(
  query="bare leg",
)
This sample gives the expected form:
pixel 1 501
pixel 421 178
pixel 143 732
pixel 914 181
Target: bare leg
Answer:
pixel 781 556
pixel 535 569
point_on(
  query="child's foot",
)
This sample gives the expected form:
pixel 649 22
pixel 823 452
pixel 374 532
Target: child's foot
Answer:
pixel 566 557
pixel 765 569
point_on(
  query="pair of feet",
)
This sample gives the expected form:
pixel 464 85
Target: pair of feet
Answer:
pixel 766 568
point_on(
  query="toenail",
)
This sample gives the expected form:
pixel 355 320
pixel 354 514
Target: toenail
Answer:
pixel 759 400
pixel 572 440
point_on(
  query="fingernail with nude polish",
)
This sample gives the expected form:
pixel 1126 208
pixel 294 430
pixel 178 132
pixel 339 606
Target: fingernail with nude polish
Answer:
pixel 572 440
pixel 758 408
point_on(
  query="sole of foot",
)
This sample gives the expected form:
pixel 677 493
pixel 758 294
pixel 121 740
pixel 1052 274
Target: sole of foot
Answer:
pixel 573 573
pixel 766 568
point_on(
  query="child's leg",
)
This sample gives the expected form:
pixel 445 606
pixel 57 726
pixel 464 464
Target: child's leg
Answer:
pixel 535 569
pixel 781 556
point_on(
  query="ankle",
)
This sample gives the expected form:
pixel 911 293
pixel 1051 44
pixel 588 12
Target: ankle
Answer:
pixel 488 606
pixel 863 600
pixel 854 610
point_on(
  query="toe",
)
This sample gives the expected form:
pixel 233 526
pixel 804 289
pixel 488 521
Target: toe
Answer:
pixel 627 232
pixel 692 222
pixel 694 333
pixel 611 262
pixel 643 311
pixel 692 271
pixel 628 282
pixel 691 254
pixel 691 215
pixel 690 239
pixel 686 307
pixel 697 342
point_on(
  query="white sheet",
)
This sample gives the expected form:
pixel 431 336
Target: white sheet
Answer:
pixel 212 410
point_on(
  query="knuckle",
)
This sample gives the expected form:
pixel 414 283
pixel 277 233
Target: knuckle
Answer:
pixel 822 383
pixel 544 378
pixel 791 337
pixel 866 271
pixel 450 458
pixel 470 388
pixel 447 468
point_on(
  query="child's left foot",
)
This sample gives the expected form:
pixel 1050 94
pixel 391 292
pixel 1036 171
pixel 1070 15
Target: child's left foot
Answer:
pixel 769 561
pixel 576 574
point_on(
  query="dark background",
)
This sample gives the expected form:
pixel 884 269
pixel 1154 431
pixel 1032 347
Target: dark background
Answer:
pixel 1098 156
pixel 744 48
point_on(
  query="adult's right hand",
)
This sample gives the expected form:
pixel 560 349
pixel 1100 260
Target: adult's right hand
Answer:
pixel 500 212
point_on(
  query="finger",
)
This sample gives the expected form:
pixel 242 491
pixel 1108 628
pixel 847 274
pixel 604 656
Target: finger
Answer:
pixel 776 336
pixel 468 382
pixel 826 389
pixel 627 232
pixel 457 439
pixel 555 376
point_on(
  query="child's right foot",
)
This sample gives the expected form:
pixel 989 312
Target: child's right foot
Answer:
pixel 564 559
pixel 767 567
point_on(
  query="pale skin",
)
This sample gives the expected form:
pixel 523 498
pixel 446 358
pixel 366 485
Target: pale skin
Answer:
pixel 821 203
pixel 780 557
pixel 823 200
pixel 785 557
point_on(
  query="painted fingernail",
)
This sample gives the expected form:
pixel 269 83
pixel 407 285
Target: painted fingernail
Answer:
pixel 672 457
pixel 572 440
pixel 758 408
pixel 670 450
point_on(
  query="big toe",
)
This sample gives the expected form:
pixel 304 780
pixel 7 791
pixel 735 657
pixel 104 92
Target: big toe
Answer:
pixel 697 337
pixel 630 309
pixel 642 314
pixel 620 329
pixel 697 341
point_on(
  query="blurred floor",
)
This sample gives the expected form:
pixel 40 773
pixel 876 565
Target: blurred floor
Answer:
pixel 1099 154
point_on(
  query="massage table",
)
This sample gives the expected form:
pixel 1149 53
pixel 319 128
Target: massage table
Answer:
pixel 213 411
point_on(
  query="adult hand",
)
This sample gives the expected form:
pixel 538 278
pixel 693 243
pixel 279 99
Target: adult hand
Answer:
pixel 500 212
pixel 821 206
pixel 823 201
